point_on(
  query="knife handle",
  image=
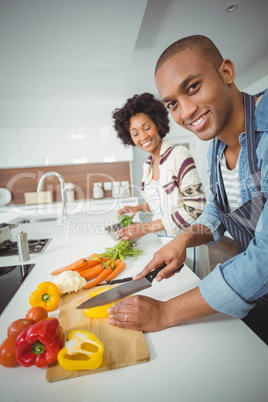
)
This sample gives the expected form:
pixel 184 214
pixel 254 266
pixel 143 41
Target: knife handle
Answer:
pixel 152 275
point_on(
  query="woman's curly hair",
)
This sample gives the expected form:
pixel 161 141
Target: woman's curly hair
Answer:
pixel 145 103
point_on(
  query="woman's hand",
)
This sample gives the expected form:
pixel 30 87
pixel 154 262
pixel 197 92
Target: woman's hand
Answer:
pixel 139 229
pixel 134 230
pixel 138 313
pixel 172 255
pixel 128 210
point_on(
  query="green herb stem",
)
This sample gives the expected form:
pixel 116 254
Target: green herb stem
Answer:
pixel 120 251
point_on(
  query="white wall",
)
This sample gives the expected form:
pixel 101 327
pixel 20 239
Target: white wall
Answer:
pixel 257 86
pixel 57 112
pixel 59 132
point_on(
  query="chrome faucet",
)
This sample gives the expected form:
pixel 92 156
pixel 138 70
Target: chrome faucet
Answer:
pixel 62 184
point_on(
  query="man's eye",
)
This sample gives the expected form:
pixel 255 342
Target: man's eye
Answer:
pixel 171 105
pixel 193 87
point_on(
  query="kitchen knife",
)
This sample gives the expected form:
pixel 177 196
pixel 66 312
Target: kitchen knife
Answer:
pixel 122 291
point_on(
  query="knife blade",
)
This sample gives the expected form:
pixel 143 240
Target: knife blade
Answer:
pixel 122 291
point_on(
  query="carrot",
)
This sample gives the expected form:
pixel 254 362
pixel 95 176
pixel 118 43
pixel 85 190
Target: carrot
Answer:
pixel 118 269
pixel 89 264
pixel 92 272
pixel 105 259
pixel 72 267
pixel 92 256
pixel 80 264
pixel 108 262
pixel 99 279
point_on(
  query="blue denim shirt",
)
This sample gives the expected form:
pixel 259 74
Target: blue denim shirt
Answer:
pixel 234 286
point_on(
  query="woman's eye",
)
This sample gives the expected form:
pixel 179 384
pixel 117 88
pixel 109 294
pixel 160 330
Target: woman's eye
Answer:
pixel 147 128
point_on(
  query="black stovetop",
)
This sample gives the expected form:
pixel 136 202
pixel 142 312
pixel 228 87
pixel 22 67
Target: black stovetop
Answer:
pixel 11 277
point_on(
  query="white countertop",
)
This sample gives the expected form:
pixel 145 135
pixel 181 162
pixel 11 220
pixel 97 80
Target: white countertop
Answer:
pixel 213 359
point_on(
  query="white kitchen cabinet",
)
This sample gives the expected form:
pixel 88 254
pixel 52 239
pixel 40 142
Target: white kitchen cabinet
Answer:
pixel 55 146
pixel 100 144
pixel 47 146
pixel 9 148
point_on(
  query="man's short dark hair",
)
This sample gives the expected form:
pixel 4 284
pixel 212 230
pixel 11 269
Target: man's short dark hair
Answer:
pixel 198 44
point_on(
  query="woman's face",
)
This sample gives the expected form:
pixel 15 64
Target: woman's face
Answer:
pixel 144 133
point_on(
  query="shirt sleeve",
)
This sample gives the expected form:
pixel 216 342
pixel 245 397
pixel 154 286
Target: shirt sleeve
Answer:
pixel 210 218
pixel 189 192
pixel 234 287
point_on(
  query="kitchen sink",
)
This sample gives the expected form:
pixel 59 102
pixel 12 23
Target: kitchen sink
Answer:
pixel 34 219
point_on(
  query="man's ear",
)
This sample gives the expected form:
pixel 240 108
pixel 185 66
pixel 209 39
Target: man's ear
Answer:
pixel 227 71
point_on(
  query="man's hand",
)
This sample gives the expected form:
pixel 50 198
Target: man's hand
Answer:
pixel 172 255
pixel 138 313
pixel 143 313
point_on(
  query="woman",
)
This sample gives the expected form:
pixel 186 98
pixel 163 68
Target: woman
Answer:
pixel 171 186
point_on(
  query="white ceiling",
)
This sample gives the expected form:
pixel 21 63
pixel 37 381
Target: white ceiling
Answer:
pixel 108 48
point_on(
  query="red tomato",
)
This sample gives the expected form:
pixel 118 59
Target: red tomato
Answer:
pixel 17 326
pixel 36 314
pixel 7 353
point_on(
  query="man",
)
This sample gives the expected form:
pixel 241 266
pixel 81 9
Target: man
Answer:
pixel 197 86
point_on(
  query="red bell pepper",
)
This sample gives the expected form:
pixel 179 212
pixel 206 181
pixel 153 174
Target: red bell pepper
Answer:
pixel 39 344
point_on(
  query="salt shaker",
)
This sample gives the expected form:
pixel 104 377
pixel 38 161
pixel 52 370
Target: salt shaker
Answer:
pixel 23 246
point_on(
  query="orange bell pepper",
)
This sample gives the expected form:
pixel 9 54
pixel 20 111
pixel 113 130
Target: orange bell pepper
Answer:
pixel 46 295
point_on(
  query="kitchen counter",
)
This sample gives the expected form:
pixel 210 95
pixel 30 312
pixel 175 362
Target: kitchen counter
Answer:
pixel 213 359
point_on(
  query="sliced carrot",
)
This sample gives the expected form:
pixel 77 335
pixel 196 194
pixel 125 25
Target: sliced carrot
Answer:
pixel 72 267
pixel 118 269
pixel 99 279
pixel 92 272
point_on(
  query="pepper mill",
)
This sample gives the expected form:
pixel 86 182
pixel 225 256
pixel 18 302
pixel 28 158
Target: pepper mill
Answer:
pixel 23 246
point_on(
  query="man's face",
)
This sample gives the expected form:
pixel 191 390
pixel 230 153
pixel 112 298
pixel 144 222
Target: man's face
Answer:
pixel 197 97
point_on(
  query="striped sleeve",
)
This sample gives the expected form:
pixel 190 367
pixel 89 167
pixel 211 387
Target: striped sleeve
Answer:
pixel 187 187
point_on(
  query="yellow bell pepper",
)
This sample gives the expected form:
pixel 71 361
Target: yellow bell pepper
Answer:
pixel 100 311
pixel 82 351
pixel 46 295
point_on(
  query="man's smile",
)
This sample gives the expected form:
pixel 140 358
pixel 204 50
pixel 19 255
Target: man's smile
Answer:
pixel 199 123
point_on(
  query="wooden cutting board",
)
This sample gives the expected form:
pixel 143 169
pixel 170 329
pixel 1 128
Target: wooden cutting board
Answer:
pixel 122 347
